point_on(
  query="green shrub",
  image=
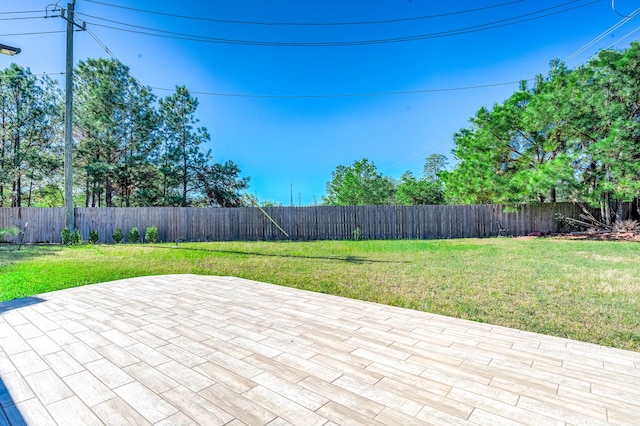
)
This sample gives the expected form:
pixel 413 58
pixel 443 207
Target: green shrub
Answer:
pixel 76 238
pixel 117 235
pixel 134 235
pixel 66 237
pixel 71 238
pixel 151 234
pixel 93 236
pixel 12 231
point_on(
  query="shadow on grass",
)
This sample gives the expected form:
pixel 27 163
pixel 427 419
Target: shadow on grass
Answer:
pixel 348 259
pixel 10 254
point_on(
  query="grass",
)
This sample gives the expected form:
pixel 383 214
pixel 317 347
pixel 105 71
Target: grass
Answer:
pixel 583 290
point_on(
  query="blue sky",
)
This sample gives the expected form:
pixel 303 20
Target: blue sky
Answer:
pixel 290 144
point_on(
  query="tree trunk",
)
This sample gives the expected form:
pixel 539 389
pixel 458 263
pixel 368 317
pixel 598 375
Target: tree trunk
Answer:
pixel 30 192
pixel 618 212
pixel 108 193
pixel 164 182
pixel 19 190
pixel 87 192
pixel 17 183
pixel 606 209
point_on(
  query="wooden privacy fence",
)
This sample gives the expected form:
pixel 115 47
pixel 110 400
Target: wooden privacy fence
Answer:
pixel 301 223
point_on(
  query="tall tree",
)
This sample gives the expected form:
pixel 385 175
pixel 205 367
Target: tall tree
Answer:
pixel 609 130
pixel 434 164
pixel 574 136
pixel 222 185
pixel 359 184
pixel 428 190
pixel 137 176
pixel 29 134
pixel 182 157
pixel 516 152
pixel 117 132
pixel 412 191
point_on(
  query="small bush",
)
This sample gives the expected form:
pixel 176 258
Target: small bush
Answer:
pixel 12 231
pixel 356 234
pixel 134 235
pixel 71 238
pixel 66 237
pixel 76 238
pixel 93 237
pixel 566 224
pixel 117 235
pixel 151 234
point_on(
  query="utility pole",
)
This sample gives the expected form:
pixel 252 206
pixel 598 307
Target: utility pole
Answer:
pixel 69 221
pixel 68 119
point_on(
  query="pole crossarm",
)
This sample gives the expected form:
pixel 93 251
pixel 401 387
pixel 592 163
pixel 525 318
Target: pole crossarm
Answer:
pixel 69 17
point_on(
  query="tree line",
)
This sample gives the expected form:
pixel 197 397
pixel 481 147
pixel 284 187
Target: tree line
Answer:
pixel 362 184
pixel 574 136
pixel 131 148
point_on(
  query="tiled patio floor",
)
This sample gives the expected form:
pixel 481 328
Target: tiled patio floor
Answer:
pixel 188 349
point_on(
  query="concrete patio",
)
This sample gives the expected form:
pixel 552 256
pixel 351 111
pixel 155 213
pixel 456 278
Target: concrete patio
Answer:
pixel 186 349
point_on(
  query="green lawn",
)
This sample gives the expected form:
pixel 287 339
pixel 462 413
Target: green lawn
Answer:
pixel 584 290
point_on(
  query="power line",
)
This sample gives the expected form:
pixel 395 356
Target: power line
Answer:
pixel 21 11
pixel 110 53
pixel 44 74
pixel 325 96
pixel 345 95
pixel 227 21
pixel 623 37
pixel 465 30
pixel 24 18
pixel 613 6
pixel 31 33
pixel 602 35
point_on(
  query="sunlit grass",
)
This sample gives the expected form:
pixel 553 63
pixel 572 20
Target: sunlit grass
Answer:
pixel 584 290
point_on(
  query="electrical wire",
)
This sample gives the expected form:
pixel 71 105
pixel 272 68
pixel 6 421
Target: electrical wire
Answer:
pixel 21 11
pixel 44 74
pixel 21 18
pixel 32 33
pixel 623 37
pixel 113 56
pixel 326 96
pixel 602 35
pixel 340 95
pixel 465 30
pixel 345 95
pixel 613 6
pixel 227 21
